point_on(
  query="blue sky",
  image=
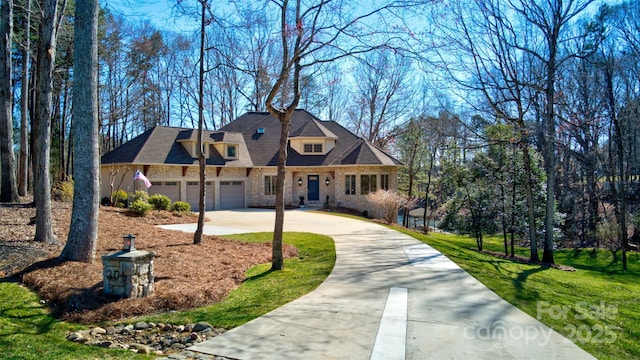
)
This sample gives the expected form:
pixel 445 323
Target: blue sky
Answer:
pixel 158 12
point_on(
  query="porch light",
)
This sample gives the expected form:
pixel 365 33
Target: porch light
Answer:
pixel 300 181
pixel 326 181
pixel 129 243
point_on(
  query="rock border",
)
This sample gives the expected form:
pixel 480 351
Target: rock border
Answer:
pixel 149 338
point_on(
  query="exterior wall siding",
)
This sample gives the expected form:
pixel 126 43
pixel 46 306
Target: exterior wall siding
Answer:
pixel 254 184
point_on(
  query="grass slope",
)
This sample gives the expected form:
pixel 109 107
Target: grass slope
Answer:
pixel 27 331
pixel 264 290
pixel 596 306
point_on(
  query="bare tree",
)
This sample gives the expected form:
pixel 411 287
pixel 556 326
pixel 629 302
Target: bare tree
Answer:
pixel 43 115
pixel 23 162
pixel 9 189
pixel 498 72
pixel 515 71
pixel 382 95
pixel 197 236
pixel 336 97
pixel 309 34
pixel 83 233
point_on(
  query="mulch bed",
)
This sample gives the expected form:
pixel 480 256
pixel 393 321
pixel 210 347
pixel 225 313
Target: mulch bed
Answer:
pixel 187 275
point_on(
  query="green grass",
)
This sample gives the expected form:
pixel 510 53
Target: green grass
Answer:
pixel 264 290
pixel 27 331
pixel 595 306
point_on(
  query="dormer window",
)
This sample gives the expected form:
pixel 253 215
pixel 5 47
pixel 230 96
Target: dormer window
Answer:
pixel 313 148
pixel 231 151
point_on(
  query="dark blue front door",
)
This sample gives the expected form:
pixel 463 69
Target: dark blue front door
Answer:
pixel 313 184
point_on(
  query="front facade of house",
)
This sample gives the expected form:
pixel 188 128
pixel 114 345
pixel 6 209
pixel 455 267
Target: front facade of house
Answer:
pixel 326 164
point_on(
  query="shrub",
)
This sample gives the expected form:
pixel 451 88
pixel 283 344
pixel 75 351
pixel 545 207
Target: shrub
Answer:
pixel 63 190
pixel 160 202
pixel 390 202
pixel 141 195
pixel 120 198
pixel 140 207
pixel 181 206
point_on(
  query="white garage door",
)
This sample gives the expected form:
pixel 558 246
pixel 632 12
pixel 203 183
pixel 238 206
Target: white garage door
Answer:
pixel 231 195
pixel 169 188
pixel 193 195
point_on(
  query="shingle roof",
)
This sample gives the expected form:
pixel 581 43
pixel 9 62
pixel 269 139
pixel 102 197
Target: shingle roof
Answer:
pixel 312 128
pixel 161 145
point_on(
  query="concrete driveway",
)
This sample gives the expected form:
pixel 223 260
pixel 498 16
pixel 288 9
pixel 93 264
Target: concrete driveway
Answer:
pixel 388 297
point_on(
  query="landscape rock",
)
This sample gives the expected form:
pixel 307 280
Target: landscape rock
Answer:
pixel 141 349
pixel 77 337
pixel 146 338
pixel 202 326
pixel 98 331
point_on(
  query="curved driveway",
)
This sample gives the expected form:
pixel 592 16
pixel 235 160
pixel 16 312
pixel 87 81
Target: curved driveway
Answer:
pixel 388 297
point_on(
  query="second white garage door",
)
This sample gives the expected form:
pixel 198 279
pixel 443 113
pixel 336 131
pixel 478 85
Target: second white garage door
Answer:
pixel 193 195
pixel 231 195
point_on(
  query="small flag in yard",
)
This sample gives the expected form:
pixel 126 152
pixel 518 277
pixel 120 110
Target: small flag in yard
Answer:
pixel 140 176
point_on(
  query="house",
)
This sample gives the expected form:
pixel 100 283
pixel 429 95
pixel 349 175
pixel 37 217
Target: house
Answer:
pixel 326 164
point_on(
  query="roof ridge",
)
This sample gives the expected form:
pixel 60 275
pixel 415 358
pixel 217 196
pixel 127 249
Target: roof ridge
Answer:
pixel 348 150
pixel 323 129
pixel 381 150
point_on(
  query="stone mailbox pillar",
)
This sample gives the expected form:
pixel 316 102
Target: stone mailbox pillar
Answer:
pixel 128 273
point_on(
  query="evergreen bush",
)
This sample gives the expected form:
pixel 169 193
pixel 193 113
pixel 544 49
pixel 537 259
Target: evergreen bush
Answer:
pixel 181 206
pixel 160 202
pixel 140 207
pixel 141 195
pixel 120 198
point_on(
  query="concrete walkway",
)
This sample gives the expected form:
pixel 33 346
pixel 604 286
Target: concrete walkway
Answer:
pixel 388 297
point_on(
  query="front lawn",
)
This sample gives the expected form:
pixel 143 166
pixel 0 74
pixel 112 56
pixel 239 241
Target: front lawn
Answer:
pixel 28 331
pixel 596 306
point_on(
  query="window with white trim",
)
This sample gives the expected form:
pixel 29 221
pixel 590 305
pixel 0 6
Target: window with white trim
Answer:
pixel 384 181
pixel 368 184
pixel 232 151
pixel 270 185
pixel 350 184
pixel 312 148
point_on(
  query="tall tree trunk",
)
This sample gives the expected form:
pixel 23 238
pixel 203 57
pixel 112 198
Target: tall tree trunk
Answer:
pixel 9 187
pixel 426 219
pixel 277 259
pixel 621 193
pixel 63 128
pixel 405 218
pixel 83 233
pixel 531 215
pixel 550 156
pixel 23 166
pixel 197 236
pixel 45 64
pixel 503 218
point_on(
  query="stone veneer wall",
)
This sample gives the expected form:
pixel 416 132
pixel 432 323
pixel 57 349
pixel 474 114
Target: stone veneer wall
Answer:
pixel 254 183
pixel 292 191
pixel 358 201
pixel 335 189
pixel 128 274
pixel 171 173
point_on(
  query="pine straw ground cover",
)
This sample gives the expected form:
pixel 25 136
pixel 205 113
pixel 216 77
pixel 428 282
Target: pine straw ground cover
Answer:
pixel 186 275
